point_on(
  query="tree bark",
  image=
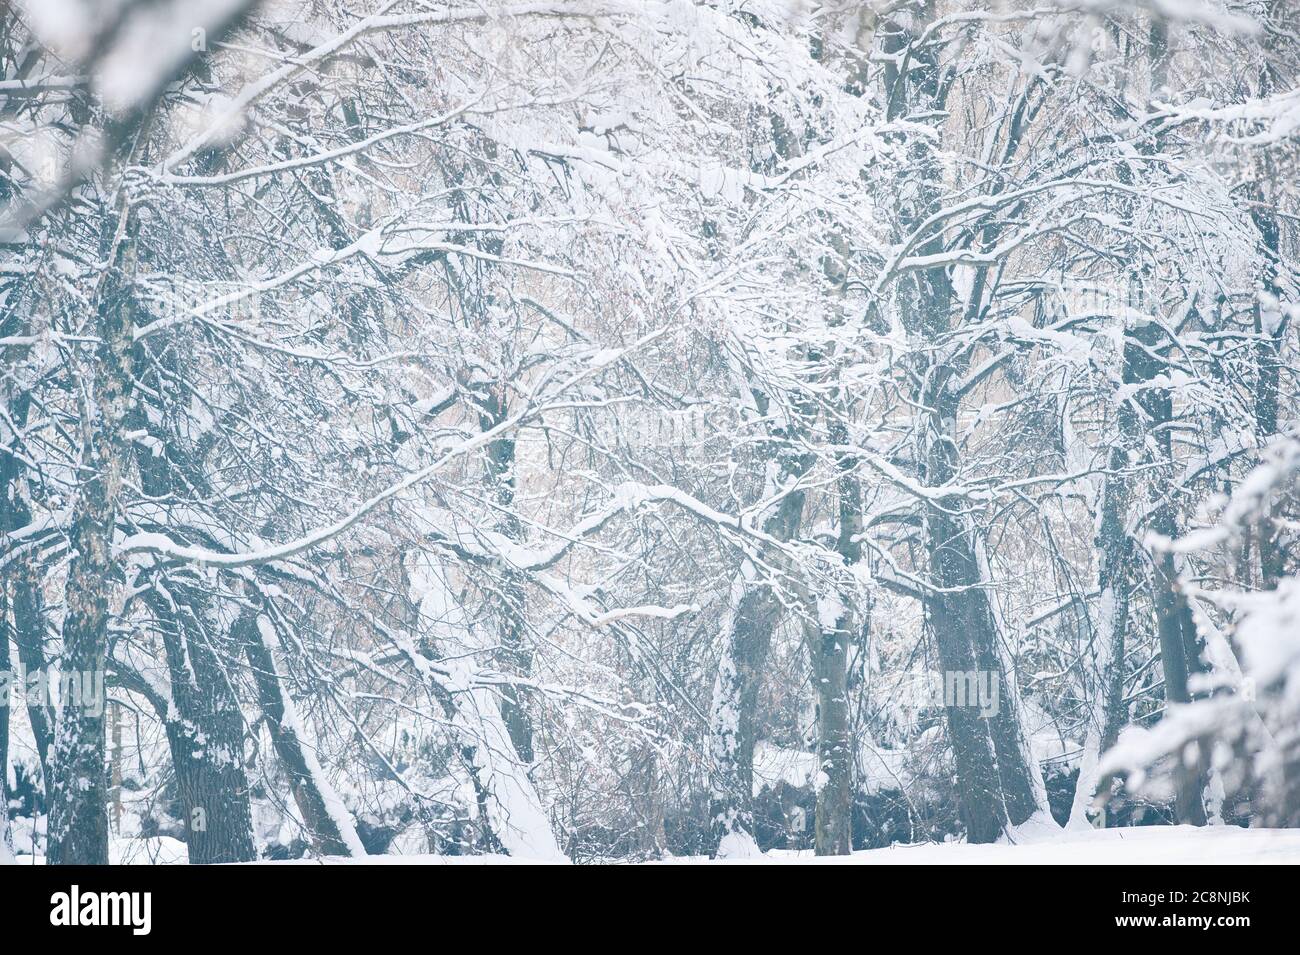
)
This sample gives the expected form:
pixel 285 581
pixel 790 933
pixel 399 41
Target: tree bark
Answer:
pixel 830 630
pixel 991 757
pixel 1180 645
pixel 1115 556
pixel 989 750
pixel 515 656
pixel 732 733
pixel 6 837
pixel 205 731
pixel 29 638
pixel 23 585
pixel 203 721
pixel 1270 325
pixel 78 821
pixel 829 650
pixel 755 611
pixel 332 830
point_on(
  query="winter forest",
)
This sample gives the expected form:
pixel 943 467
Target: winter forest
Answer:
pixel 633 430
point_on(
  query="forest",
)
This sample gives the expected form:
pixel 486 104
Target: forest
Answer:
pixel 625 430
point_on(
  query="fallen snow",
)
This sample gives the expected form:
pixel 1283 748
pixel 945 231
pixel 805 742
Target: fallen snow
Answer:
pixel 1148 845
pixel 1144 845
pixel 774 765
pixel 154 850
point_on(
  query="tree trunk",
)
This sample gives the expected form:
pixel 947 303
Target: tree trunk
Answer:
pixel 992 760
pixel 78 821
pixel 1270 324
pixel 511 814
pixel 830 628
pixel 1116 554
pixel 515 656
pixel 29 638
pixel 829 650
pixel 1107 712
pixel 6 837
pixel 1180 645
pixel 327 819
pixel 1173 620
pixel 23 584
pixel 989 751
pixel 205 728
pixel 995 775
pixel 203 721
pixel 754 614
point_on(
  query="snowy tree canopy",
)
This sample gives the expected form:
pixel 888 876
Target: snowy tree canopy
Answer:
pixel 606 429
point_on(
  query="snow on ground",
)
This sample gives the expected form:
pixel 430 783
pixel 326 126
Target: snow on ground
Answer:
pixel 159 850
pixel 416 860
pixel 1144 845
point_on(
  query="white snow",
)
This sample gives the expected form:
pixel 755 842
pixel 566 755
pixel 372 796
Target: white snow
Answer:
pixel 1148 845
pixel 777 764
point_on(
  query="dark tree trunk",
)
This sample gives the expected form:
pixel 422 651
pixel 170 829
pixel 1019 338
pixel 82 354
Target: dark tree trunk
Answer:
pixel 1117 554
pixel 1114 579
pixel 205 733
pixel 994 774
pixel 22 583
pixel 1115 557
pixel 1180 645
pixel 204 724
pixel 78 822
pixel 29 638
pixel 732 716
pixel 327 833
pixel 1177 638
pixel 989 752
pixel 755 612
pixel 993 777
pixel 829 650
pixel 515 656
pixel 1270 325
pixel 6 840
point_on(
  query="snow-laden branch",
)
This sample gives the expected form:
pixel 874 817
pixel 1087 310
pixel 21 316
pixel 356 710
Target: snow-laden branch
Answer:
pixel 1249 502
pixel 164 546
pixel 377 23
